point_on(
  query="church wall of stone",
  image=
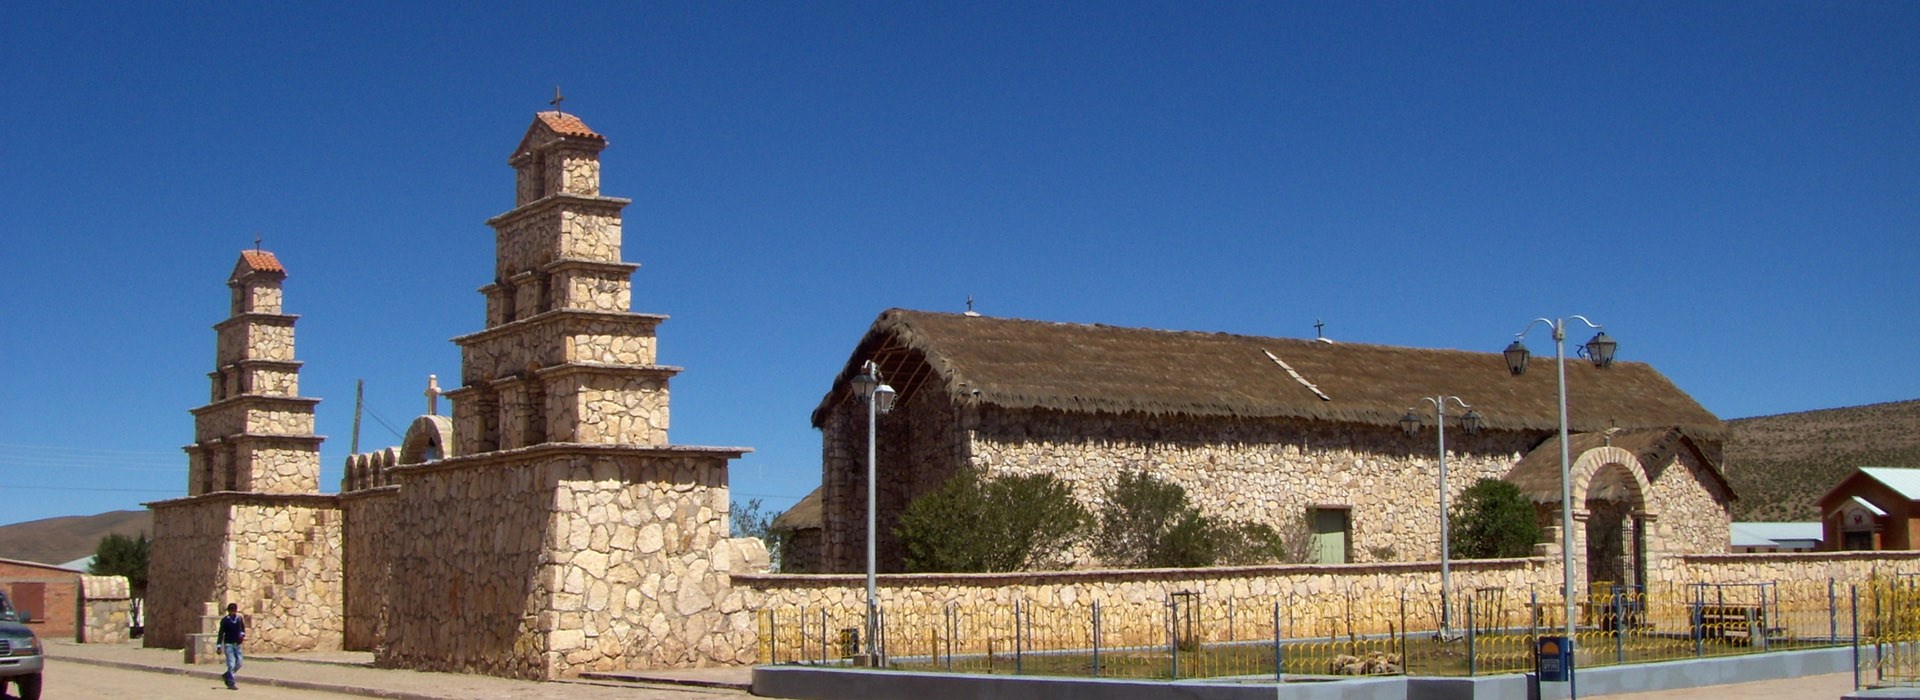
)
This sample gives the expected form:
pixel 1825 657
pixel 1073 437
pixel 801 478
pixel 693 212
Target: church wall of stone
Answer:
pixel 462 594
pixel 185 560
pixel 1269 471
pixel 369 538
pixel 284 570
pixel 1694 513
pixel 622 561
pixel 920 446
pixel 281 468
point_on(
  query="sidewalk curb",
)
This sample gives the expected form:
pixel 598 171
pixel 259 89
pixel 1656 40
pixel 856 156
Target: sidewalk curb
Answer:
pixel 257 680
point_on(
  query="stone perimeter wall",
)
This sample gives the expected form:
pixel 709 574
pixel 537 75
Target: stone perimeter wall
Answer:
pixel 369 537
pixel 106 610
pixel 282 566
pixel 1315 600
pixel 624 553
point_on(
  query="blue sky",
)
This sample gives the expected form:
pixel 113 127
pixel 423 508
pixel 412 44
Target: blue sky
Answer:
pixel 1733 188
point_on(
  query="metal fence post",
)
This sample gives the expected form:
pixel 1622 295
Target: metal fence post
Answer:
pixel 1096 639
pixel 1173 633
pixel 773 637
pixel 1698 616
pixel 1019 644
pixel 1833 617
pixel 1278 665
pixel 953 630
pixel 1855 596
pixel 1473 663
pixel 1619 627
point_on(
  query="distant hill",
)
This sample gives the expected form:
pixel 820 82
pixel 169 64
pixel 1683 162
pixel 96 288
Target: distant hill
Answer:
pixel 64 539
pixel 1779 465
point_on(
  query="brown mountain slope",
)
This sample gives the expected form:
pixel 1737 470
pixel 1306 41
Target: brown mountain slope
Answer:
pixel 64 539
pixel 1781 464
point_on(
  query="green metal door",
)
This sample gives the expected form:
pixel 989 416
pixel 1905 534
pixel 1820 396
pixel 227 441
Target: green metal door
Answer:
pixel 1329 536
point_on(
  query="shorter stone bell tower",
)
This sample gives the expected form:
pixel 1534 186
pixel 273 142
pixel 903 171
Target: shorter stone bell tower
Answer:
pixel 254 529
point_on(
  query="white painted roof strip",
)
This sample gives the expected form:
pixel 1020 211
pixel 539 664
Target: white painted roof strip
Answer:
pixel 1871 508
pixel 1296 375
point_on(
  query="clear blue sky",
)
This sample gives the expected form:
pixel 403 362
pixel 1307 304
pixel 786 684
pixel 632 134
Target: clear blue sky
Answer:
pixel 1733 188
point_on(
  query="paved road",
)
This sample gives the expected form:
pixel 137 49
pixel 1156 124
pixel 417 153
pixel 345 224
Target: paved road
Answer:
pixel 82 681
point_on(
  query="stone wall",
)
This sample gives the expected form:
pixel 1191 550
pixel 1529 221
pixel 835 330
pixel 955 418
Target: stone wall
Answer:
pixel 187 559
pixel 276 555
pixel 106 610
pixel 1793 566
pixel 369 539
pixel 550 561
pixel 1692 504
pixel 1316 600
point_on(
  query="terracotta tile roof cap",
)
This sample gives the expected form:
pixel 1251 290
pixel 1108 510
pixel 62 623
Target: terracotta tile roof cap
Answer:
pixel 261 261
pixel 567 125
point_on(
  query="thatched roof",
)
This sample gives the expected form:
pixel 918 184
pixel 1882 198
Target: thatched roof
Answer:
pixel 1020 364
pixel 1538 473
pixel 804 515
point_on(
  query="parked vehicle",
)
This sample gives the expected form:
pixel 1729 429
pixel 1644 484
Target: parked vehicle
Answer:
pixel 21 655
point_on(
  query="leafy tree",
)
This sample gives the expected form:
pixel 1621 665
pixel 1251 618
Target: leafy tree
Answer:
pixel 1010 523
pixel 1493 520
pixel 119 555
pixel 755 520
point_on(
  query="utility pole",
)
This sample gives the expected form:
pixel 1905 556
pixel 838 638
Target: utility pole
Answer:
pixel 359 394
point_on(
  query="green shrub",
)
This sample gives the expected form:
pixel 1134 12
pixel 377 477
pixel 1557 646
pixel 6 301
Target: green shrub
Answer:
pixel 1493 520
pixel 1011 523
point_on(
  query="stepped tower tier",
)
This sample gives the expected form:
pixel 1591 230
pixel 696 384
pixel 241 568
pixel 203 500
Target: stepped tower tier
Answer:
pixel 256 432
pixel 563 358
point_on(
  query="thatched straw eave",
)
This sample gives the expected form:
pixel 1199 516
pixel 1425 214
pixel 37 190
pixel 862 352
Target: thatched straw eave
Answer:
pixel 1021 364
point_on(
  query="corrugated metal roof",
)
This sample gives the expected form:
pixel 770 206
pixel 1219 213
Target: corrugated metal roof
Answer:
pixel 1904 481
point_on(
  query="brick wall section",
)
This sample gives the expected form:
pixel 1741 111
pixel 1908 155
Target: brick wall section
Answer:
pixel 54 614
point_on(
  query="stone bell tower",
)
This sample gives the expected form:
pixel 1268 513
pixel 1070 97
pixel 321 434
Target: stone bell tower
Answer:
pixel 564 534
pixel 254 529
pixel 562 358
pixel 256 432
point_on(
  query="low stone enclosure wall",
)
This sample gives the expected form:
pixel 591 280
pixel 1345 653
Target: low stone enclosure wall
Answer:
pixel 1355 607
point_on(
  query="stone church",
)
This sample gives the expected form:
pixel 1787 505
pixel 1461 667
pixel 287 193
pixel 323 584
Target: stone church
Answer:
pixel 1274 430
pixel 547 528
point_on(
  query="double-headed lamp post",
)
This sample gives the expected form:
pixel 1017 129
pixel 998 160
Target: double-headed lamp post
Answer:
pixel 1600 350
pixel 879 399
pixel 1470 422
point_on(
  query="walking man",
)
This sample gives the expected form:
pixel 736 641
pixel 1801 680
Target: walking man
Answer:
pixel 233 631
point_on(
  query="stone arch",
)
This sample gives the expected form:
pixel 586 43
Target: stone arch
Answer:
pixel 1613 510
pixel 427 440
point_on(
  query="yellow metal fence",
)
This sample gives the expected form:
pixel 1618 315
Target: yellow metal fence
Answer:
pixel 1336 633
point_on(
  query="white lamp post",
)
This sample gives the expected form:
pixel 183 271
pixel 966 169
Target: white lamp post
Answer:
pixel 1470 421
pixel 879 399
pixel 1600 350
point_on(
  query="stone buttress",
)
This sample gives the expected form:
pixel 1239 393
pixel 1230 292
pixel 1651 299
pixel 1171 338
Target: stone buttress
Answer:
pixel 254 529
pixel 563 533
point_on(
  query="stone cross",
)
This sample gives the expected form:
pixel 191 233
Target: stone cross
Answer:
pixel 433 395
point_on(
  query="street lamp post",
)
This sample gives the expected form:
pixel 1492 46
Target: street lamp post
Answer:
pixel 879 399
pixel 1600 350
pixel 1470 422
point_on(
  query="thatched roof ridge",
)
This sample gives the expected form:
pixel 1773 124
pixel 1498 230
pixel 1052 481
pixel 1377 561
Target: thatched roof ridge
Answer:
pixel 807 514
pixel 1022 364
pixel 1538 472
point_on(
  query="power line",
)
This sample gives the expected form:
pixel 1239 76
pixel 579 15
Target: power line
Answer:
pixel 84 488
